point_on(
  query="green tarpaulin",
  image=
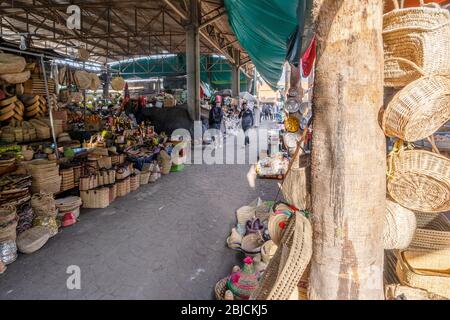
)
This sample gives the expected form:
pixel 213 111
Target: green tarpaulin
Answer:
pixel 267 28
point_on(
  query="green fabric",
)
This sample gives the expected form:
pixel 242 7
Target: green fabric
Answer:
pixel 263 28
pixel 215 71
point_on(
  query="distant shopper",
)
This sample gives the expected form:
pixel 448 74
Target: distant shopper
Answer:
pixel 247 120
pixel 215 120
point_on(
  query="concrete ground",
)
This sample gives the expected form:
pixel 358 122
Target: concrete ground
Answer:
pixel 163 241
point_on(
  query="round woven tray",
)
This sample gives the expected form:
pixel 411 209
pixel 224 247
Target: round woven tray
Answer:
pixel 399 226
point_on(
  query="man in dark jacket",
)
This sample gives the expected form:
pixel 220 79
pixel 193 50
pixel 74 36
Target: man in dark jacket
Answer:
pixel 215 120
pixel 247 120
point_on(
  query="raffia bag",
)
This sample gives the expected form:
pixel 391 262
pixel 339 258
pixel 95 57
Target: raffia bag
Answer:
pixel 7 214
pixel 420 35
pixel 285 269
pixel 296 184
pixel 96 198
pixel 419 109
pixel 43 204
pixel 123 187
pixel 419 180
pixel 399 226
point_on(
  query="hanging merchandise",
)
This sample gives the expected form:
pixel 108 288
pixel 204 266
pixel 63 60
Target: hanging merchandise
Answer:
pixel 420 35
pixel 419 109
pixel 15 78
pixel 309 57
pixel 399 226
pixel 95 81
pixel 292 124
pixel 83 54
pixel 292 105
pixel 82 79
pixel 11 63
pixel 118 83
pixel 419 180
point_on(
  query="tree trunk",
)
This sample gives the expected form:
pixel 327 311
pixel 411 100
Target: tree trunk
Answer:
pixel 348 156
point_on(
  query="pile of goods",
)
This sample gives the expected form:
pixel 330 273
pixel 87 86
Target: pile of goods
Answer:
pixel 269 272
pixel 68 210
pixel 45 175
pixel 416 232
pixel 11 108
pixel 274 166
pixel 8 224
pixel 15 188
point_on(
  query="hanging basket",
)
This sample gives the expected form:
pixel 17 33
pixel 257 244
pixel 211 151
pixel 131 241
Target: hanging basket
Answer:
pixel 82 79
pixel 16 78
pixel 11 63
pixel 288 265
pixel 419 109
pixel 118 83
pixel 420 180
pixel 399 226
pixel 420 35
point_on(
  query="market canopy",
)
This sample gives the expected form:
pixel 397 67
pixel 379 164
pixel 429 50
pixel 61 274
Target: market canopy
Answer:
pixel 271 31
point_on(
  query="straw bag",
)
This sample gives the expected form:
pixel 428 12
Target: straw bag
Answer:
pixel 277 221
pixel 8 231
pixel 134 182
pixel 419 180
pixel 419 109
pixel 88 182
pixel 7 214
pixel 399 226
pixel 420 35
pixel 144 177
pixel 165 161
pixel 251 244
pixel 245 213
pixel 32 239
pixel 123 172
pixel 43 204
pixel 112 192
pixel 104 162
pixel 289 263
pixel 96 198
pixel 123 187
pixel 296 183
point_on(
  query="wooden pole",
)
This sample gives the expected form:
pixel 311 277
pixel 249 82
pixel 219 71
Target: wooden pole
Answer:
pixel 348 155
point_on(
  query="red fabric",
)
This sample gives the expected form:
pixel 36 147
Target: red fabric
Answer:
pixel 308 58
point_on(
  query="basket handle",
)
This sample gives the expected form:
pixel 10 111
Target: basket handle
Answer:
pixel 396 5
pixel 433 144
pixel 412 64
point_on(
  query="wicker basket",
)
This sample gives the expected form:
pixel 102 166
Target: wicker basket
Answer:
pixel 144 177
pixel 420 35
pixel 268 250
pixel 135 182
pixel 123 187
pixel 32 239
pixel 420 180
pixel 104 162
pixel 43 204
pixel 288 265
pixel 432 221
pixel 435 282
pixel 96 198
pixel 112 192
pixel 88 182
pixel 420 109
pixel 123 172
pixel 8 231
pixel 399 292
pixel 117 159
pixel 399 226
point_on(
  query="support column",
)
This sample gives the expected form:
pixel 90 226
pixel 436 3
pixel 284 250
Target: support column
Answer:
pixel 193 60
pixel 236 74
pixel 106 83
pixel 348 163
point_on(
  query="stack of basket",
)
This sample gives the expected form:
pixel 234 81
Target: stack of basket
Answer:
pixel 135 180
pixel 43 131
pixel 416 44
pixel 36 85
pixel 8 224
pixel 15 189
pixel 45 175
pixel 35 106
pixel 11 108
pixel 18 131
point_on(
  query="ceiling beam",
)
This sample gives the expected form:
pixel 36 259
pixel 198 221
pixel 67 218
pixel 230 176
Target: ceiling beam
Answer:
pixel 212 20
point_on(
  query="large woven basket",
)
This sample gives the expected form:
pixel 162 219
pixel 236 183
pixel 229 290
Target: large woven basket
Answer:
pixel 32 239
pixel 123 187
pixel 7 214
pixel 96 198
pixel 432 221
pixel 289 263
pixel 420 180
pixel 434 282
pixel 144 177
pixel 419 109
pixel 399 292
pixel 135 182
pixel 399 226
pixel 420 35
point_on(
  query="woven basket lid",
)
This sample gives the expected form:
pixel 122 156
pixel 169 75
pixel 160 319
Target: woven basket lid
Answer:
pixel 118 83
pixel 10 63
pixel 83 79
pixel 15 78
pixel 95 81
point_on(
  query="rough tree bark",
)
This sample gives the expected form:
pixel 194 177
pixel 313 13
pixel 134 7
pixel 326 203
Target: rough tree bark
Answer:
pixel 348 156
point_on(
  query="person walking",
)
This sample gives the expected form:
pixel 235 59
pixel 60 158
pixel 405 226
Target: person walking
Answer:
pixel 215 121
pixel 247 121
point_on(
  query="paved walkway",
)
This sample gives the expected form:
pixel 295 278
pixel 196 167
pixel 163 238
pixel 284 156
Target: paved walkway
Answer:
pixel 164 241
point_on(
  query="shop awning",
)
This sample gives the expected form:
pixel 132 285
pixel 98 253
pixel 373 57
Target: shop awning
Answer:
pixel 271 31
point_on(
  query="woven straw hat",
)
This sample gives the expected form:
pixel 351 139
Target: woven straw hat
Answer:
pixel 118 83
pixel 399 226
pixel 10 63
